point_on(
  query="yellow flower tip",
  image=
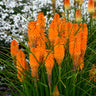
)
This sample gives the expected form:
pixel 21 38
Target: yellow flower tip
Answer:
pixel 67 4
pixel 80 2
pixel 56 92
pixel 63 14
pixel 94 1
pixel 91 8
pixel 94 15
pixel 53 1
pixel 78 15
pixel 77 1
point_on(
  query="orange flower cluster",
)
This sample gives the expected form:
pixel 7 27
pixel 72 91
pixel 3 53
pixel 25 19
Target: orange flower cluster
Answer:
pixel 78 44
pixel 19 59
pixel 62 34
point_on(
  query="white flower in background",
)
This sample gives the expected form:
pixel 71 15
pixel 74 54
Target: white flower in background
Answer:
pixel 15 15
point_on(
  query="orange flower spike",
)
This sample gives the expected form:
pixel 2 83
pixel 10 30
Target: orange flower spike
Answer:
pixel 78 16
pixel 49 62
pixel 91 6
pixel 67 4
pixel 56 92
pixel 33 62
pixel 41 29
pixel 59 51
pixel 66 33
pixel 14 48
pixel 84 39
pixel 53 33
pixel 33 33
pixel 77 49
pixel 40 51
pixel 62 26
pixel 77 46
pixel 68 28
pixel 56 19
pixel 30 29
pixel 20 63
pixel 72 41
pixel 41 22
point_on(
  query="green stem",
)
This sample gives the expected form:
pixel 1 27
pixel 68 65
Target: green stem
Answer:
pixel 74 83
pixel 60 78
pixel 68 15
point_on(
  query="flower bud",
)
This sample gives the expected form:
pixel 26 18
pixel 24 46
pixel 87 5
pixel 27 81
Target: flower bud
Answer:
pixel 78 15
pixel 91 7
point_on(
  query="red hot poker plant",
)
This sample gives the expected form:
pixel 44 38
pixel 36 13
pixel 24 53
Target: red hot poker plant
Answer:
pixel 20 63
